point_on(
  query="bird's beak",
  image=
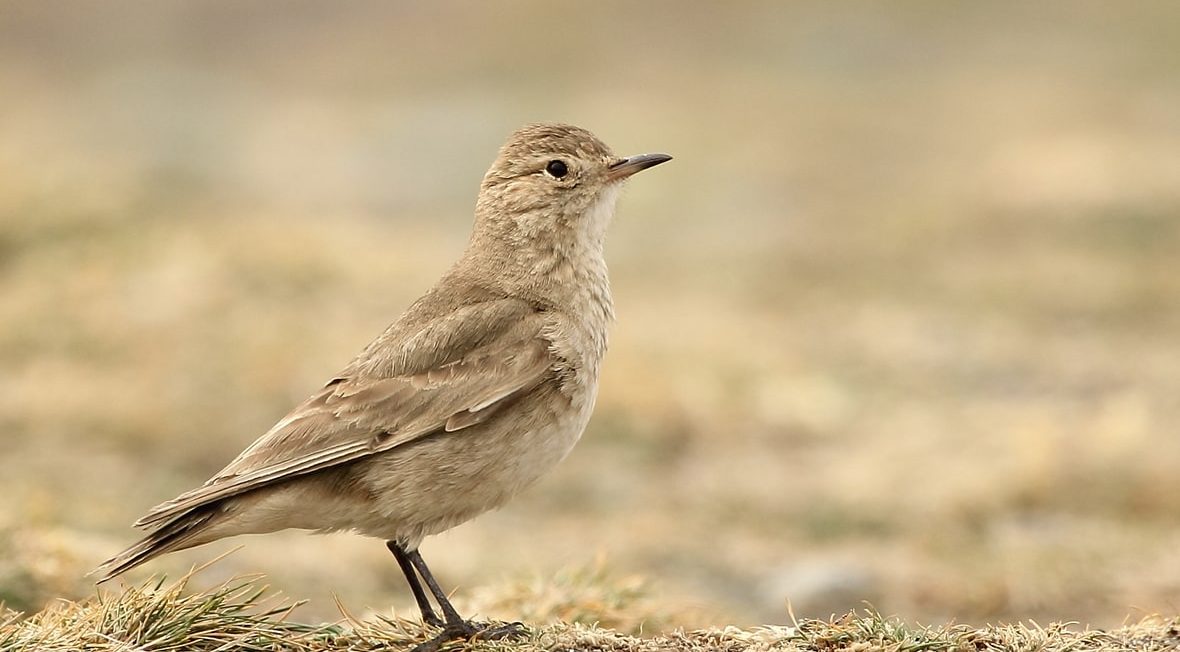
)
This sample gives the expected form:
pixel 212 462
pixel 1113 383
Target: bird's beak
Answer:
pixel 625 167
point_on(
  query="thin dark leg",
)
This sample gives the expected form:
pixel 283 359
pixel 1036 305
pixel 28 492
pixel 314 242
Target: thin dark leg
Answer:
pixel 453 627
pixel 428 615
pixel 453 620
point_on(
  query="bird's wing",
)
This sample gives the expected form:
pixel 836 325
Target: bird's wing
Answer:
pixel 394 393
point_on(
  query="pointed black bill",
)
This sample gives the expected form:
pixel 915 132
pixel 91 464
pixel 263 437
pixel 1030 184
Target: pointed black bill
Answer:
pixel 625 167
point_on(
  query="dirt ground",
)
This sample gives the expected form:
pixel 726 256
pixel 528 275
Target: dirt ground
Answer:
pixel 241 615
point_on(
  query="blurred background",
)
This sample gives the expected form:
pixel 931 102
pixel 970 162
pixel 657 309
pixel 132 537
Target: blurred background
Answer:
pixel 899 325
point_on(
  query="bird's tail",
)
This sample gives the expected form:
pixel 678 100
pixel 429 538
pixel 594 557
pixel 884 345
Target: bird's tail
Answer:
pixel 177 534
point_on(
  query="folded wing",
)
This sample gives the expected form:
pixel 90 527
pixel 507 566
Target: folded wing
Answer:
pixel 444 376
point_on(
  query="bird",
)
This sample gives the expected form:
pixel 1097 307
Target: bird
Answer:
pixel 481 386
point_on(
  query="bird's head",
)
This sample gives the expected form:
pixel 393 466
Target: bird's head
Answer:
pixel 554 182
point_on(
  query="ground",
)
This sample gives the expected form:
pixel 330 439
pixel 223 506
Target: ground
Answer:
pixel 241 616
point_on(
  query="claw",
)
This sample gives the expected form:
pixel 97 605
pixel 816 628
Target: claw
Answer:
pixel 471 631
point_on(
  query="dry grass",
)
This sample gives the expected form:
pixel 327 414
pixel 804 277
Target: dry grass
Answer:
pixel 244 616
pixel 898 325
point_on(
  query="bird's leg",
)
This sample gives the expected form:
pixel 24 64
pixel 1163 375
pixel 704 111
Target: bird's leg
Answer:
pixel 454 626
pixel 454 621
pixel 428 615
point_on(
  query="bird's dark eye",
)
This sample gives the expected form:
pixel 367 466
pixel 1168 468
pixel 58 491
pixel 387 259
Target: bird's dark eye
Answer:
pixel 557 169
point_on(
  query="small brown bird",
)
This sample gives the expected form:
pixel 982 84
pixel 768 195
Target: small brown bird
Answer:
pixel 480 387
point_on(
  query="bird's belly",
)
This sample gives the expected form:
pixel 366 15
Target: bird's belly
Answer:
pixel 436 483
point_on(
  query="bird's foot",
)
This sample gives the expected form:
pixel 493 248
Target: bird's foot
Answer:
pixel 500 631
pixel 471 631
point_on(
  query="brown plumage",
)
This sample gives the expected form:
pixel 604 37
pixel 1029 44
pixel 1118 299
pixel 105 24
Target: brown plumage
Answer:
pixel 484 383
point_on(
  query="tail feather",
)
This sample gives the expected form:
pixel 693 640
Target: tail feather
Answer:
pixel 176 534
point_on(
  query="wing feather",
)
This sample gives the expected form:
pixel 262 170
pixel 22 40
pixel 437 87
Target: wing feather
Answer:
pixel 359 414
